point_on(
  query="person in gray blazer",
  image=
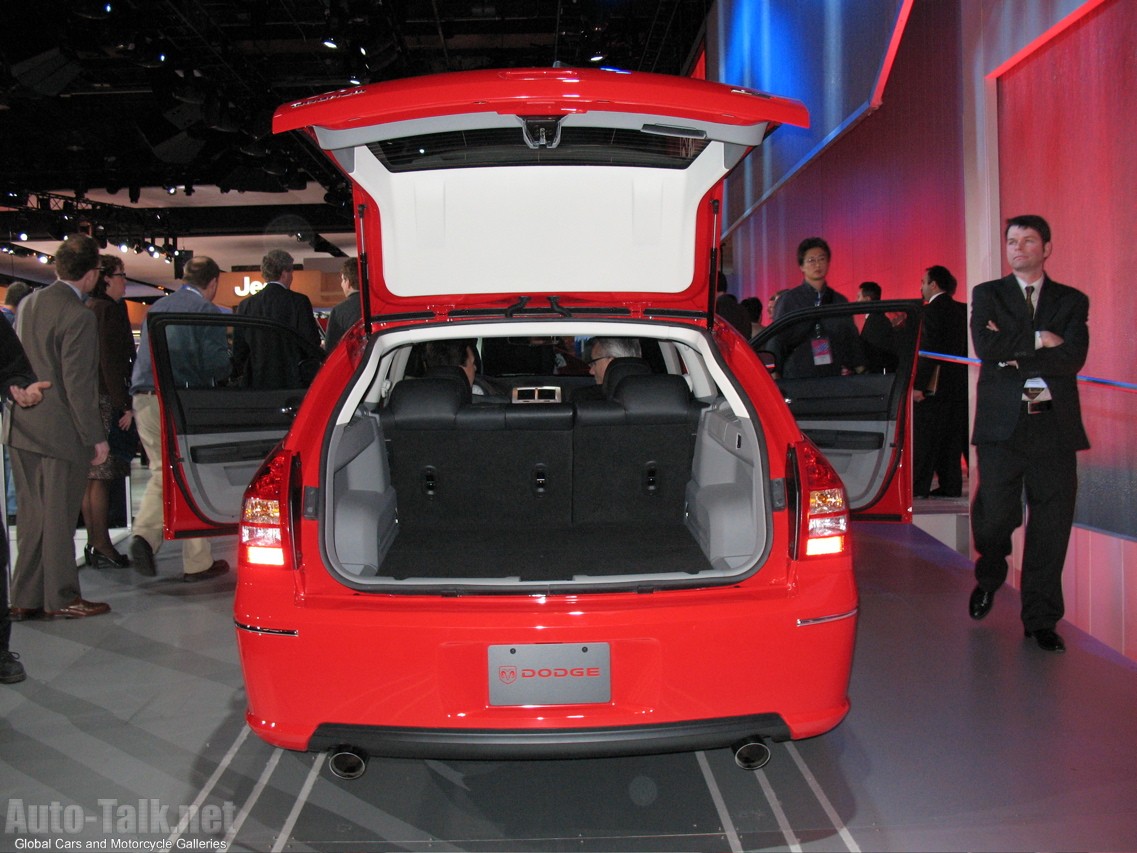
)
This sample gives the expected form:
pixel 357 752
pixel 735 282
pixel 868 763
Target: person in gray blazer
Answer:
pixel 1032 336
pixel 55 443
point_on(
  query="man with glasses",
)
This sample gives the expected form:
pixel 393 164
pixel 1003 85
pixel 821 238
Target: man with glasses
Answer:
pixel 830 347
pixel 602 353
pixel 55 443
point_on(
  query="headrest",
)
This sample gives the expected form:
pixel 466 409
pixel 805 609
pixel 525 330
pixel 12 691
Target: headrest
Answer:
pixel 658 398
pixel 448 371
pixel 618 368
pixel 431 402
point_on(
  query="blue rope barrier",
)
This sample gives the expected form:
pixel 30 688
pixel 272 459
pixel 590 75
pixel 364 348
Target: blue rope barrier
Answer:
pixel 1089 380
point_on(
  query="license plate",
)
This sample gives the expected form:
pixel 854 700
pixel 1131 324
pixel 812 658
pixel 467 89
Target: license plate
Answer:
pixel 550 674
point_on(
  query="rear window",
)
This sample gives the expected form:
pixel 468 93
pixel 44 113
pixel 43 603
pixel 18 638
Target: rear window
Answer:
pixel 578 146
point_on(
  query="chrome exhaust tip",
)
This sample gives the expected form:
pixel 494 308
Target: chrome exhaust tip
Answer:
pixel 751 753
pixel 347 762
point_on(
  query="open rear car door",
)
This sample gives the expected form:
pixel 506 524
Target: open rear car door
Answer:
pixel 859 420
pixel 219 422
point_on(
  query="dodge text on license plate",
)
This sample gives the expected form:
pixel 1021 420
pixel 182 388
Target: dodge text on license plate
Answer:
pixel 550 674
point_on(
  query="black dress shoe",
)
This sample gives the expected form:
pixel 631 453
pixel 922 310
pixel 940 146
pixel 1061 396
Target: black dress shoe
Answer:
pixel 980 603
pixel 946 493
pixel 1048 640
pixel 142 556
pixel 100 560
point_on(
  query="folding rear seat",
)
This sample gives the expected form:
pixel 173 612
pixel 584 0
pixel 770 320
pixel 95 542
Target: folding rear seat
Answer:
pixel 632 453
pixel 459 465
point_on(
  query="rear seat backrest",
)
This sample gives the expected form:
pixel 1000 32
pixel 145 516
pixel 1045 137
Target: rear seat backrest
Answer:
pixel 632 453
pixel 429 403
pixel 456 464
pixel 620 368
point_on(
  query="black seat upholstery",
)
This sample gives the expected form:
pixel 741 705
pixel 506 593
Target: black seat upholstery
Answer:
pixel 458 465
pixel 632 454
pixel 620 368
pixel 455 464
pixel 656 399
pixel 432 402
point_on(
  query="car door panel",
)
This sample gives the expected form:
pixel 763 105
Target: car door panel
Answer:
pixel 216 435
pixel 858 420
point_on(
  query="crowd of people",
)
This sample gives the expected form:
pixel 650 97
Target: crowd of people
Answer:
pixel 1031 336
pixel 83 402
pixel 85 406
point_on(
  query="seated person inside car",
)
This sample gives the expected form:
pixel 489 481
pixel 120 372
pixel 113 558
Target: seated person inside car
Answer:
pixel 459 353
pixel 442 357
pixel 602 354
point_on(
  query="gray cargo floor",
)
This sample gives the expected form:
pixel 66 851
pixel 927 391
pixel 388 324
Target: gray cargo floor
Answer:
pixel 544 555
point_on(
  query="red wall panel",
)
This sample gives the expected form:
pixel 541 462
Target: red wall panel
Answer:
pixel 1066 119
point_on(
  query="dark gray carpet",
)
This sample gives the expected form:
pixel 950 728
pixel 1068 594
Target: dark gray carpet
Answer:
pixel 544 555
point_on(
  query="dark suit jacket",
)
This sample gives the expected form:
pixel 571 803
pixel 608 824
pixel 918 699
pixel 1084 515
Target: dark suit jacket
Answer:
pixel 342 318
pixel 879 340
pixel 1061 309
pixel 287 307
pixel 944 331
pixel 60 338
pixel 116 350
pixel 14 366
pixel 265 359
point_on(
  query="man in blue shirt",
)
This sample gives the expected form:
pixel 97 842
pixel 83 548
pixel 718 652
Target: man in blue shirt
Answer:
pixel 199 359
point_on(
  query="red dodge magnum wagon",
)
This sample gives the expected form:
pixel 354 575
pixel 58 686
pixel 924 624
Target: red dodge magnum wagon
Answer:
pixel 454 541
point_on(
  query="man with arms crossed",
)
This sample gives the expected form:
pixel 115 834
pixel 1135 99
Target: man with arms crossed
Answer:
pixel 1031 335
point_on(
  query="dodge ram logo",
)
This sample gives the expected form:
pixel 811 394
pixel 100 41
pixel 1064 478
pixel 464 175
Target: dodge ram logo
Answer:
pixel 507 674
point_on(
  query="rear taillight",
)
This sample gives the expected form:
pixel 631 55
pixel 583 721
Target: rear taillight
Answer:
pixel 265 538
pixel 823 508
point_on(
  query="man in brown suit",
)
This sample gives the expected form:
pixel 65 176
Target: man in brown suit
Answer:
pixel 55 443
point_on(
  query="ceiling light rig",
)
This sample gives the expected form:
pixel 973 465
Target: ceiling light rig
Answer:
pixel 57 217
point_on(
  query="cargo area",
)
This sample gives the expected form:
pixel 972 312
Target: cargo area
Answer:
pixel 435 487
